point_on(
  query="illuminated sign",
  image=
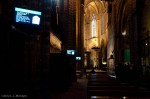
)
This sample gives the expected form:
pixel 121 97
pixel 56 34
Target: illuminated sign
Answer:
pixel 27 16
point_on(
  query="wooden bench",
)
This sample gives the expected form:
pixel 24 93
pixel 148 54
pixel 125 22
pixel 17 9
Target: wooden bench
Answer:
pixel 78 74
pixel 106 84
pixel 121 87
pixel 118 93
pixel 101 84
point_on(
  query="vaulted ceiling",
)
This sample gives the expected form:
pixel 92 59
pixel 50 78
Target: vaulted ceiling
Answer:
pixel 97 7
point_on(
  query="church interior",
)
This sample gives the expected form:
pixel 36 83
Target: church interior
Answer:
pixel 50 46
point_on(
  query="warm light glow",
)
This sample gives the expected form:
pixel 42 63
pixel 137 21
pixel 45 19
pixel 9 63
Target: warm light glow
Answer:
pixel 146 44
pixel 124 33
pixel 124 97
pixel 54 40
pixel 104 63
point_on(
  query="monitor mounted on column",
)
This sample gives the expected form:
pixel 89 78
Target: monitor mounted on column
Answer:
pixel 27 16
pixel 70 52
pixel 78 58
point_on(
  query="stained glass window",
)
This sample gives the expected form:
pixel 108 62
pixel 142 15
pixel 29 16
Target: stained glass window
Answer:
pixel 93 26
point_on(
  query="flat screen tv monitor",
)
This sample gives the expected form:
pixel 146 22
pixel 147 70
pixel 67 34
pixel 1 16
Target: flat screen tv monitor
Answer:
pixel 27 16
pixel 78 58
pixel 70 52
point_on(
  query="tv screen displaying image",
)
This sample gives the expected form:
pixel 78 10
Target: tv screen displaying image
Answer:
pixel 27 16
pixel 70 52
pixel 78 58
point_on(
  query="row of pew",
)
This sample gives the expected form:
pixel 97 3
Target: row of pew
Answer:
pixel 102 85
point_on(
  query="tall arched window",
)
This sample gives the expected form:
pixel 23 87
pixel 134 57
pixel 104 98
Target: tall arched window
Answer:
pixel 93 26
pixel 102 26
